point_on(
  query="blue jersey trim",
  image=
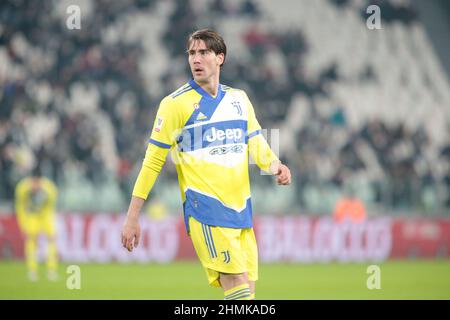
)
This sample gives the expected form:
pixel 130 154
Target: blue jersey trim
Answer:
pixel 159 144
pixel 205 94
pixel 210 211
pixel 254 133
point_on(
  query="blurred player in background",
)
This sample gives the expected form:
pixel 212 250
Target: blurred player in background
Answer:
pixel 349 208
pixel 211 130
pixel 35 207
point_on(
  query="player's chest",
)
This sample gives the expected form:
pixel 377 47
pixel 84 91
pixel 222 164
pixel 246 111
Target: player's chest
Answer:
pixel 231 107
pixel 226 124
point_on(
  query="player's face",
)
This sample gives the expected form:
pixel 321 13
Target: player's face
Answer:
pixel 204 63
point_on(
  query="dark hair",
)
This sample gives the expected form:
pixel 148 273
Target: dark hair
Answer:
pixel 212 39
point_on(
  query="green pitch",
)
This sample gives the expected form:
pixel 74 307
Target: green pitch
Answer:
pixel 186 280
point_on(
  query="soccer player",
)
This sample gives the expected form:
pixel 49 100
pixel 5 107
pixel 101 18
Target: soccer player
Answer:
pixel 211 129
pixel 35 202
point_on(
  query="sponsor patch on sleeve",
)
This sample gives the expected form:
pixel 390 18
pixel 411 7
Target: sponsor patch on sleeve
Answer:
pixel 159 123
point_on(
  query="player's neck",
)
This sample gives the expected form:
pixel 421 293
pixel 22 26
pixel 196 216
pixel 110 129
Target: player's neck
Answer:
pixel 211 87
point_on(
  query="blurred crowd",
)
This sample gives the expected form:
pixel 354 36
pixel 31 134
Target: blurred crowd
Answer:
pixel 80 103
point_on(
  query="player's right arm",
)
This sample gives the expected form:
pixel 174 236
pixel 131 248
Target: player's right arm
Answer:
pixel 261 152
pixel 166 126
pixel 151 167
pixel 131 230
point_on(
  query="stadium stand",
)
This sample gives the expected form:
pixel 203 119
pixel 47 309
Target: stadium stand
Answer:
pixel 356 108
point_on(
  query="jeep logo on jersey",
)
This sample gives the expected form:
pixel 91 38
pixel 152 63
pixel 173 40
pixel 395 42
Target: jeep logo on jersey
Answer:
pixel 231 135
pixel 212 135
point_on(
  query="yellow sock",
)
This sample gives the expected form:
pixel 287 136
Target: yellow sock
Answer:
pixel 240 292
pixel 31 254
pixel 252 296
pixel 52 257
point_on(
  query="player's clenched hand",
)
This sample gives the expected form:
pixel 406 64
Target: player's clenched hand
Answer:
pixel 282 172
pixel 131 231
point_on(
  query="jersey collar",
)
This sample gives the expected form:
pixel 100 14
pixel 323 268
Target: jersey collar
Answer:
pixel 205 94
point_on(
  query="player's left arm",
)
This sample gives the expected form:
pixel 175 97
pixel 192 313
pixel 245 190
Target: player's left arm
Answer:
pixel 261 152
pixel 282 172
pixel 266 160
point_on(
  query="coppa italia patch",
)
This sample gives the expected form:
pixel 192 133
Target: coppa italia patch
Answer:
pixel 159 123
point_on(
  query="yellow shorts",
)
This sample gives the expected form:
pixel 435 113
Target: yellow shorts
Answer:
pixel 224 250
pixel 33 226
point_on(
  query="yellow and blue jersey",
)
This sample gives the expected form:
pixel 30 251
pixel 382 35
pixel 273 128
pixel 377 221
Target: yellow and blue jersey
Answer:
pixel 36 208
pixel 209 138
